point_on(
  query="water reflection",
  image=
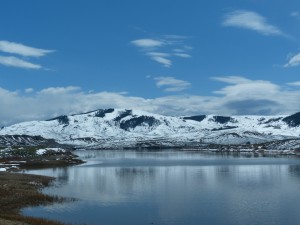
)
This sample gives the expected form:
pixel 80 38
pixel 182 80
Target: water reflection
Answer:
pixel 176 188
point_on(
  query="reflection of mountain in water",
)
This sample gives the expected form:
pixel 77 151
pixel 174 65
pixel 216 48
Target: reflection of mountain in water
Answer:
pixel 294 171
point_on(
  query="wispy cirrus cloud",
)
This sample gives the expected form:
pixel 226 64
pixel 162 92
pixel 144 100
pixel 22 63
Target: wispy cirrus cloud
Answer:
pixel 22 51
pixel 163 49
pixel 251 21
pixel 147 43
pixel 231 79
pixel 171 84
pixel 293 61
pixel 162 60
pixel 160 57
pixel 295 14
pixel 296 83
pixel 182 55
pixel 17 62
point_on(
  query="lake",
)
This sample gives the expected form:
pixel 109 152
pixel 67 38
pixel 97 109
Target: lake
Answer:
pixel 175 187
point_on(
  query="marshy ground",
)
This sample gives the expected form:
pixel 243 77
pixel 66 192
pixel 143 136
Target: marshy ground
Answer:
pixel 18 190
pixel 23 190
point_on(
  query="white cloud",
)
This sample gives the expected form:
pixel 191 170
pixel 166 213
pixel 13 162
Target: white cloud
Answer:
pixel 296 83
pixel 293 61
pixel 17 62
pixel 161 49
pixel 161 58
pixel 179 50
pixel 252 21
pixel 242 88
pixel 59 90
pixel 23 50
pixel 164 61
pixel 160 54
pixel 238 96
pixel 295 15
pixel 29 90
pixel 147 43
pixel 182 55
pixel 187 47
pixel 171 84
pixel 232 79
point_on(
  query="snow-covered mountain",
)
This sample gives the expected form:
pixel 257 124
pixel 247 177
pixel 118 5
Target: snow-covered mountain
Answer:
pixel 114 128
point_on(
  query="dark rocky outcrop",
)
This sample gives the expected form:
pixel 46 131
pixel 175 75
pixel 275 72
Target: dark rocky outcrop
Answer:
pixel 196 118
pixel 123 115
pixel 224 128
pixel 293 120
pixel 138 121
pixel 101 112
pixel 222 119
pixel 61 119
pixel 273 120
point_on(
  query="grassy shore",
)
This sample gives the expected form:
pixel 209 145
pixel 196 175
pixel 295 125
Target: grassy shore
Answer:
pixel 19 190
pixel 23 190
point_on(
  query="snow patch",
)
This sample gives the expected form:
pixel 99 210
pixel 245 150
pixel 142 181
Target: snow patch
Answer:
pixel 47 150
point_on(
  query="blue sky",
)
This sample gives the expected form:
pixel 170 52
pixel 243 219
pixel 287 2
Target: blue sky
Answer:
pixel 171 57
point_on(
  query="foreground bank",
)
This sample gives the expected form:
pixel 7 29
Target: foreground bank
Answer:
pixel 18 190
pixel 22 190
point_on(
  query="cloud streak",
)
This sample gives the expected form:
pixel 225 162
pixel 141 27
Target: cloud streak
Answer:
pixel 182 55
pixel 170 84
pixel 147 43
pixel 251 21
pixel 162 58
pixel 293 61
pixel 22 51
pixel 296 83
pixel 295 15
pixel 17 62
pixel 161 49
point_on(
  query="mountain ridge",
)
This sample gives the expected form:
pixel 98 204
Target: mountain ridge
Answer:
pixel 119 128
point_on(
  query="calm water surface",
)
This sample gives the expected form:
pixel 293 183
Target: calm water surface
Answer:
pixel 168 188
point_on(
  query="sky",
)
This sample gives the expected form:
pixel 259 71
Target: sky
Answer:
pixel 172 57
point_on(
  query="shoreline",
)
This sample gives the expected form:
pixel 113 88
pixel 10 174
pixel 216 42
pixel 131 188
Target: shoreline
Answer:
pixel 19 190
pixel 36 158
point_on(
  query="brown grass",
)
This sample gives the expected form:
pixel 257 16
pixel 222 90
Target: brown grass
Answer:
pixel 23 190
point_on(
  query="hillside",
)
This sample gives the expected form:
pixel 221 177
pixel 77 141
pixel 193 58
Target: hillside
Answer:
pixel 119 128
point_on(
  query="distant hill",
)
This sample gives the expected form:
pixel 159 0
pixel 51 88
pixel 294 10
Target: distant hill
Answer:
pixel 125 128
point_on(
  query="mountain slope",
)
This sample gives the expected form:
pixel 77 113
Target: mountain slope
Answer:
pixel 26 140
pixel 113 128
